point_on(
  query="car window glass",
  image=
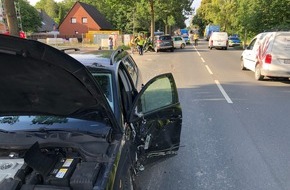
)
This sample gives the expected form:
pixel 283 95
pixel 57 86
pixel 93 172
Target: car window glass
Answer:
pixel 125 80
pixel 105 81
pixel 125 90
pixel 132 69
pixel 165 37
pixel 252 44
pixel 158 94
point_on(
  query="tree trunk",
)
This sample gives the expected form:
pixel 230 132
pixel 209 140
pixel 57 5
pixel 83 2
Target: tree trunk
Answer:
pixel 152 18
pixel 245 40
pixel 166 25
pixel 11 17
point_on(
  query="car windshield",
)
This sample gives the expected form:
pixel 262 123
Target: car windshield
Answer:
pixel 165 38
pixel 234 38
pixel 34 122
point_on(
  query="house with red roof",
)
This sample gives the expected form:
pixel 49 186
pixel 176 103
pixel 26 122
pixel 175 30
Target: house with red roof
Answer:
pixel 81 19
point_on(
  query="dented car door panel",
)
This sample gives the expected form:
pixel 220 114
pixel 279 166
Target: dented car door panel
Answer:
pixel 157 117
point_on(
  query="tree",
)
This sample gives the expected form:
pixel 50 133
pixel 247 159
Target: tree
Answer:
pixel 246 17
pixel 138 15
pixel 198 22
pixel 151 3
pixel 50 7
pixel 64 7
pixel 12 21
pixel 31 20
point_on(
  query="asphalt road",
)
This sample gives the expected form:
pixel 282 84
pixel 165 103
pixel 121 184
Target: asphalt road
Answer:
pixel 236 131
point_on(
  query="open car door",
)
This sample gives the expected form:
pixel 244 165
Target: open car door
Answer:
pixel 157 117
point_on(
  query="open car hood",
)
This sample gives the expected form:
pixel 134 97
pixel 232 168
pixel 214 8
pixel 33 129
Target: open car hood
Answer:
pixel 38 79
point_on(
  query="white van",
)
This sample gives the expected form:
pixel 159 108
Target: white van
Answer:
pixel 268 55
pixel 218 40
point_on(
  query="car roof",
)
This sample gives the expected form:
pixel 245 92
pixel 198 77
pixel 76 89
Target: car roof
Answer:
pixel 106 59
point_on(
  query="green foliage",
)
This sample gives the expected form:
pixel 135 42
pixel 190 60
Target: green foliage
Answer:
pixel 245 17
pixel 49 6
pixel 30 18
pixel 124 47
pixel 198 22
pixel 134 15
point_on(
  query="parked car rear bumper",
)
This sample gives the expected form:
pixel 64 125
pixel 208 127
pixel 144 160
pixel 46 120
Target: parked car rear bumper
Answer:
pixel 234 44
pixel 273 70
pixel 165 47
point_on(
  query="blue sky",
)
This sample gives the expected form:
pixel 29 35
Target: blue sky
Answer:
pixel 33 2
pixel 195 4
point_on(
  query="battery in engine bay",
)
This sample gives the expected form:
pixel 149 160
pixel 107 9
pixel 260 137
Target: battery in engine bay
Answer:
pixel 61 172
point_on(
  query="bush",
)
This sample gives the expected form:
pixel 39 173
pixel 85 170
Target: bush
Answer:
pixel 124 47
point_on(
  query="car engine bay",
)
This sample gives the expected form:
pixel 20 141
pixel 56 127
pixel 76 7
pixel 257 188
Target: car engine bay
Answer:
pixel 48 168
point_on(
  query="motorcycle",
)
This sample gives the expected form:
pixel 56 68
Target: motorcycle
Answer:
pixel 148 46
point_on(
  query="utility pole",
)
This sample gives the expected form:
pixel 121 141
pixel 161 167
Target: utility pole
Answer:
pixel 9 10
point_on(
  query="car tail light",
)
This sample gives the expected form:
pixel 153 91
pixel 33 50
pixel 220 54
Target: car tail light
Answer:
pixel 268 58
pixel 158 41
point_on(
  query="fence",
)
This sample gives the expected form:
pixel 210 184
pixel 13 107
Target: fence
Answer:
pixel 98 40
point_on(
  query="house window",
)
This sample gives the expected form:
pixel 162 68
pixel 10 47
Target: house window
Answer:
pixel 73 20
pixel 85 20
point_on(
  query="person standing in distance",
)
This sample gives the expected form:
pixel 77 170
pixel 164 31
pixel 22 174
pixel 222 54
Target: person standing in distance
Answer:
pixel 195 37
pixel 140 44
pixel 110 42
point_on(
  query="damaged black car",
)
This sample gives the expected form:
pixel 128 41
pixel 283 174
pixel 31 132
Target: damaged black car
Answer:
pixel 60 129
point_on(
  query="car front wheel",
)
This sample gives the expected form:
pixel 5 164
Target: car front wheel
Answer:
pixel 258 75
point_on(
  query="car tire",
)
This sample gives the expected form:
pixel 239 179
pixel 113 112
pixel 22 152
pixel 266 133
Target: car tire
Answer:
pixel 172 49
pixel 210 48
pixel 242 65
pixel 258 75
pixel 182 46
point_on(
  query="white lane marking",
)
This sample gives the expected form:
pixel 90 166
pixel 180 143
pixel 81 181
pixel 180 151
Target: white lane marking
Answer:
pixel 197 51
pixel 208 69
pixel 223 92
pixel 228 99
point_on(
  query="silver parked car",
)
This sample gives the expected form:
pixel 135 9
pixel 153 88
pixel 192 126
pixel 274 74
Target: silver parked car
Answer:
pixel 179 42
pixel 163 42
